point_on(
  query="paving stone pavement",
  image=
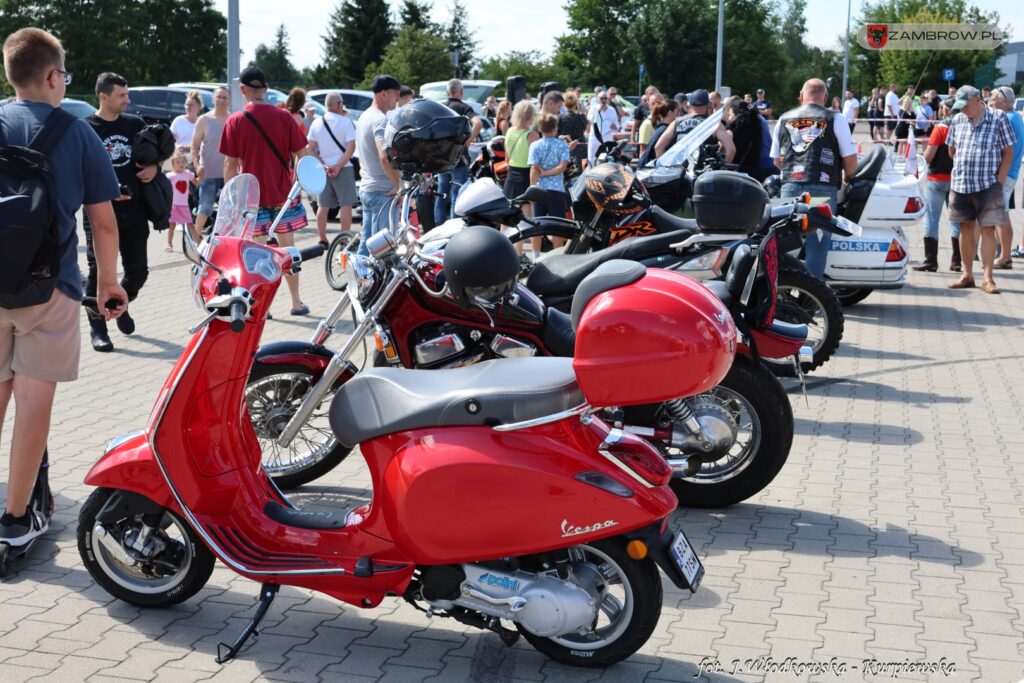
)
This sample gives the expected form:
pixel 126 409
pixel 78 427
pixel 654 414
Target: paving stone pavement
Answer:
pixel 893 534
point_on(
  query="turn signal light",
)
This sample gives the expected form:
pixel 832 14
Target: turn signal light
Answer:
pixel 805 198
pixel 636 549
pixel 805 222
pixel 896 253
pixel 384 345
pixel 343 260
pixel 824 209
pixel 914 204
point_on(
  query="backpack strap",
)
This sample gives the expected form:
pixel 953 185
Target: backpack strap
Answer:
pixel 270 143
pixel 331 133
pixel 47 138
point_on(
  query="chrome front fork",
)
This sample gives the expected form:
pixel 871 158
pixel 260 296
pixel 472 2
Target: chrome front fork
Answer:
pixel 366 320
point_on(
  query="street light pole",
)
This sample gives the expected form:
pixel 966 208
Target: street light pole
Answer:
pixel 846 55
pixel 234 56
pixel 721 39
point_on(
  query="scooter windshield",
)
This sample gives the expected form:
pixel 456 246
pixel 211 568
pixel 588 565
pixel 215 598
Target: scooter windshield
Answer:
pixel 236 211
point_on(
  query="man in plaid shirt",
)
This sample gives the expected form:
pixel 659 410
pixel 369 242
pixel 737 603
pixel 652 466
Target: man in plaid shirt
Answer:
pixel 981 143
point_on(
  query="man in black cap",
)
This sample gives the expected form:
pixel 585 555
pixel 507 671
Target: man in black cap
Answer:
pixel 378 181
pixel 264 140
pixel 700 109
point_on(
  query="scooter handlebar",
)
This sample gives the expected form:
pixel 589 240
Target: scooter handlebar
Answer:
pixel 312 252
pixel 237 315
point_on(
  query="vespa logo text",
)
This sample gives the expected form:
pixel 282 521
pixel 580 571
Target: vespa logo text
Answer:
pixel 571 530
pixel 500 581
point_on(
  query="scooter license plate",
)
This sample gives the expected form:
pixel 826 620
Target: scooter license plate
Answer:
pixel 686 561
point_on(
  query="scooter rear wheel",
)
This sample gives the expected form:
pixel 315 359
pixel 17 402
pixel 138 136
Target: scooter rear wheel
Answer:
pixel 157 579
pixel 629 610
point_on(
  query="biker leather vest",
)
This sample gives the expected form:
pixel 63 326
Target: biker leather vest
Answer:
pixel 688 123
pixel 808 146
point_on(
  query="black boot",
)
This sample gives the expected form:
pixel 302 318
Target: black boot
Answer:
pixel 954 264
pixel 125 323
pixel 930 264
pixel 100 339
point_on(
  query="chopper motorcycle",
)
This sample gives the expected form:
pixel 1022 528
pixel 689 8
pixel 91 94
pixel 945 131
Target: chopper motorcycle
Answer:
pixel 743 427
pixel 575 573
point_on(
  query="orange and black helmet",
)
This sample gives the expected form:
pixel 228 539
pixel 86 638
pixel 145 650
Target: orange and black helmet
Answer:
pixel 615 189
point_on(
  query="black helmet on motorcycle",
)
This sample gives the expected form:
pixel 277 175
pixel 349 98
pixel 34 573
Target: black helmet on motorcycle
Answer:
pixel 425 136
pixel 614 188
pixel 480 262
pixel 773 185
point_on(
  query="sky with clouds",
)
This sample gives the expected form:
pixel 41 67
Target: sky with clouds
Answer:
pixel 521 25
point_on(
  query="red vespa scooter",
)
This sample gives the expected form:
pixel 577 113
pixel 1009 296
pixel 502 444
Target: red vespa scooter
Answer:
pixel 498 495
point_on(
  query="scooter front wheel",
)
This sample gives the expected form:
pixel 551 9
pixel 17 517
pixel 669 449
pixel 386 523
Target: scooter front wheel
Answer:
pixel 629 608
pixel 168 565
pixel 273 394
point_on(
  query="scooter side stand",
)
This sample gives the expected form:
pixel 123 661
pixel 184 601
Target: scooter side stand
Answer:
pixel 225 652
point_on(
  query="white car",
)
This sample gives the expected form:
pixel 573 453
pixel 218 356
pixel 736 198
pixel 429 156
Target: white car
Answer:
pixel 274 96
pixel 356 101
pixel 475 93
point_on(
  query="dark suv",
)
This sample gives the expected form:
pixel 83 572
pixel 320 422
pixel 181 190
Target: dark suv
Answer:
pixel 161 104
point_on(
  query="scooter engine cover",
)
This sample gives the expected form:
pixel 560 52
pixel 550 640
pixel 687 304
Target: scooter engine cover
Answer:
pixel 664 336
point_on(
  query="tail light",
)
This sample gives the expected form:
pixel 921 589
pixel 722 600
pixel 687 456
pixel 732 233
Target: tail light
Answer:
pixel 896 252
pixel 824 209
pixel 914 204
pixel 636 458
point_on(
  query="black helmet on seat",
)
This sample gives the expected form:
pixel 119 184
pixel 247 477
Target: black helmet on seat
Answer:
pixel 480 262
pixel 425 136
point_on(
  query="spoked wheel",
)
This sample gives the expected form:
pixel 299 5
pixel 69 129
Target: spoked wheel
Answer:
pixel 340 263
pixel 759 408
pixel 804 299
pixel 171 566
pixel 629 594
pixel 273 394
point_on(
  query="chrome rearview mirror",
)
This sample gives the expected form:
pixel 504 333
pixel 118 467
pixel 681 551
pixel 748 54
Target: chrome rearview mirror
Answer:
pixel 191 249
pixel 311 175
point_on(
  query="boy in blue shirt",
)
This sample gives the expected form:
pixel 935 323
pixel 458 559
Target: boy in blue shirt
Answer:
pixel 39 345
pixel 548 159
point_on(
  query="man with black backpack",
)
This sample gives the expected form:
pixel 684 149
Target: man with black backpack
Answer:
pixel 50 164
pixel 117 132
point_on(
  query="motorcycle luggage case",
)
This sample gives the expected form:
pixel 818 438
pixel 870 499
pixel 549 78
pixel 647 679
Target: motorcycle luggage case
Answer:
pixel 726 201
pixel 648 337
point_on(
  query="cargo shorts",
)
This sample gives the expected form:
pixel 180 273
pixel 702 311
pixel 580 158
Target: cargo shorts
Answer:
pixel 42 342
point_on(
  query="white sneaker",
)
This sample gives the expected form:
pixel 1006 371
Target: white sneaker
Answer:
pixel 17 531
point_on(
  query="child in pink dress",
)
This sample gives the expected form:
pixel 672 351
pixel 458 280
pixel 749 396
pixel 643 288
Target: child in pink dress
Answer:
pixel 181 214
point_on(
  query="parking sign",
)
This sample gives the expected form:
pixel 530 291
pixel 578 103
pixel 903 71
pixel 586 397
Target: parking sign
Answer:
pixel 947 75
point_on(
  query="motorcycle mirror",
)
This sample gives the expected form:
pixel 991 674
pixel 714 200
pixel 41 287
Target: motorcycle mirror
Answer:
pixel 191 249
pixel 536 194
pixel 311 175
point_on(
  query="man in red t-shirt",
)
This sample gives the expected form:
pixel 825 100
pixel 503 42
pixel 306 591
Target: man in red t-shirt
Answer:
pixel 263 140
pixel 940 166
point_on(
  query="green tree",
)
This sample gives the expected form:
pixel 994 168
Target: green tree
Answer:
pixel 276 62
pixel 598 50
pixel 414 57
pixel 531 64
pixel 416 13
pixel 131 38
pixel 358 31
pixel 461 40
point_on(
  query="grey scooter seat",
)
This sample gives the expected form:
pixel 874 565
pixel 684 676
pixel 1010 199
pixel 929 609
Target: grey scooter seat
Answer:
pixel 388 400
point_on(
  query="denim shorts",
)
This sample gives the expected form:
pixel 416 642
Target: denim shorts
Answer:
pixel 209 188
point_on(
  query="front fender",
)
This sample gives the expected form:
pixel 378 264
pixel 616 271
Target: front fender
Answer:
pixel 130 466
pixel 312 356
